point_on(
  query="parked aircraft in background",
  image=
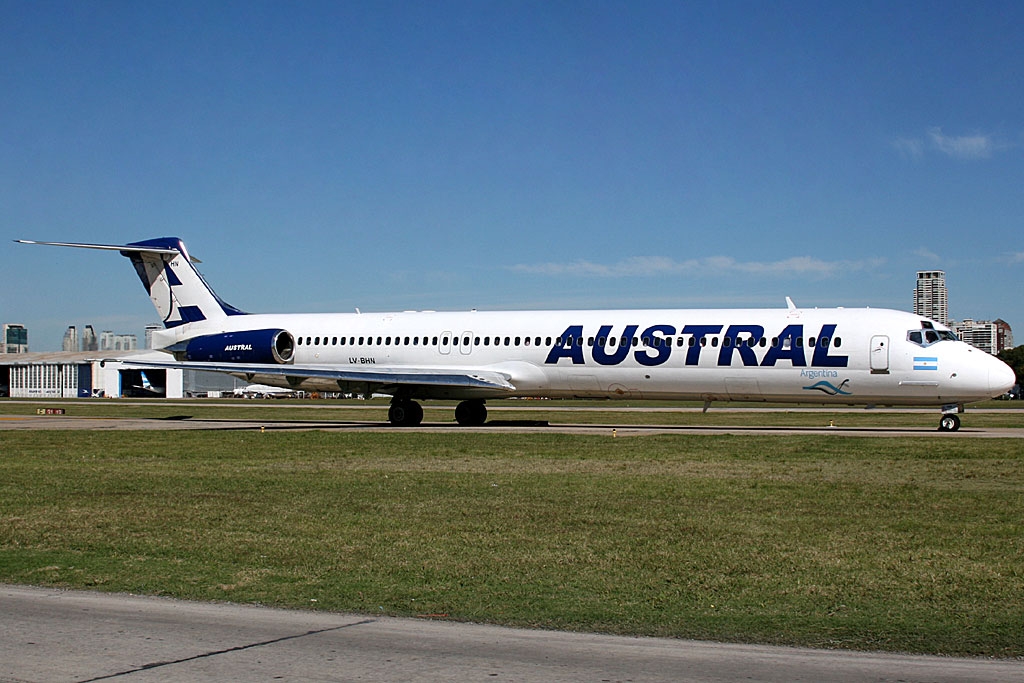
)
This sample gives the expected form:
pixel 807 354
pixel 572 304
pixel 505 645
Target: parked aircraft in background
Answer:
pixel 832 356
pixel 263 391
pixel 138 384
pixel 148 387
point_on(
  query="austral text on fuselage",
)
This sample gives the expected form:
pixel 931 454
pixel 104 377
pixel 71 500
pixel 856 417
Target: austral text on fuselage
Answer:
pixel 738 340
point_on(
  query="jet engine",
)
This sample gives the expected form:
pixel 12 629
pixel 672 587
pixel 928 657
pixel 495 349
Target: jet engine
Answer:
pixel 249 346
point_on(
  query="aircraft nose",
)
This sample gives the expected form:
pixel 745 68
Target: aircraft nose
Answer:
pixel 1001 378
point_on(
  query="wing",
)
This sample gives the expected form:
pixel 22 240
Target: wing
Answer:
pixel 381 379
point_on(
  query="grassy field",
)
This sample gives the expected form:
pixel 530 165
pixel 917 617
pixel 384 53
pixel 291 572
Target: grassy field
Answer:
pixel 895 544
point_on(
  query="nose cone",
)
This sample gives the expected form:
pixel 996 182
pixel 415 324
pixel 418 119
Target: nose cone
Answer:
pixel 1001 378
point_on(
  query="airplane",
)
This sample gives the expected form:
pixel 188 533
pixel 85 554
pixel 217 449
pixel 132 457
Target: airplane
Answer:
pixel 148 387
pixel 831 356
pixel 263 391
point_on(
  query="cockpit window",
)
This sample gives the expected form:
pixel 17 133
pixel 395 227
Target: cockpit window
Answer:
pixel 928 335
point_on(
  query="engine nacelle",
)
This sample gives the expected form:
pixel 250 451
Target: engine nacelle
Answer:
pixel 250 346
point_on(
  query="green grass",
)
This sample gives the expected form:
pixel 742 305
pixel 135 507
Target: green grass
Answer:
pixel 896 544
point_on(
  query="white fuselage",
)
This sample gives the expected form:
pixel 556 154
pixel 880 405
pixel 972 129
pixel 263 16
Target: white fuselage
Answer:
pixel 831 355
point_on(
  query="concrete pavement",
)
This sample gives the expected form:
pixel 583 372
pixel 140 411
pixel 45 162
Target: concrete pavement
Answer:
pixel 54 635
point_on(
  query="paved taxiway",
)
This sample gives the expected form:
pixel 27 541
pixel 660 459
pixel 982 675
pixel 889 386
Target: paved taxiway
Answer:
pixel 66 422
pixel 53 635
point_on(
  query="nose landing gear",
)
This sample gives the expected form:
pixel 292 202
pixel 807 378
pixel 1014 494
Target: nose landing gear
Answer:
pixel 950 421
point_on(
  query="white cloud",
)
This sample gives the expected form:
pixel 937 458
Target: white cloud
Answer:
pixel 962 147
pixel 652 266
pixel 966 147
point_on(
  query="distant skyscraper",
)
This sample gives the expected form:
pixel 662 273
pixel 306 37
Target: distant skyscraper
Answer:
pixel 989 336
pixel 150 329
pixel 70 343
pixel 125 342
pixel 931 299
pixel 15 339
pixel 89 340
pixel 117 342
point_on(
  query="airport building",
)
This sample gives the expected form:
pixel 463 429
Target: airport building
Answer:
pixel 86 375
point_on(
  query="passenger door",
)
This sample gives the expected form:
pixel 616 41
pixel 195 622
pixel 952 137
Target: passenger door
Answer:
pixel 880 354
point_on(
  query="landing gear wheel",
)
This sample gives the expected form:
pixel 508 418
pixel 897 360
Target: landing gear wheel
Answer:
pixel 405 413
pixel 471 413
pixel 949 423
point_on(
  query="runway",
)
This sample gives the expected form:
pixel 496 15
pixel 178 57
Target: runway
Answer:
pixel 54 635
pixel 186 422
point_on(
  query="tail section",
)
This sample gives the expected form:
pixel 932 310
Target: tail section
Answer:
pixel 177 290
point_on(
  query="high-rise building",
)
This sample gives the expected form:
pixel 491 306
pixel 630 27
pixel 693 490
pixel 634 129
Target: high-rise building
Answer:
pixel 931 299
pixel 150 329
pixel 1004 335
pixel 106 340
pixel 15 339
pixel 989 336
pixel 89 340
pixel 70 343
pixel 125 342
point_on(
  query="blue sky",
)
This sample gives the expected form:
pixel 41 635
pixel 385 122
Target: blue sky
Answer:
pixel 493 155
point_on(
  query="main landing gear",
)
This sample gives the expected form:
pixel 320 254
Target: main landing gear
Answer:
pixel 405 412
pixel 471 413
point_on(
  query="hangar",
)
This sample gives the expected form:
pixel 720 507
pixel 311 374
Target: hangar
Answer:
pixel 86 375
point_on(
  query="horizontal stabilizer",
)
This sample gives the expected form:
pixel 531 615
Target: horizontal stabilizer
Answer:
pixel 178 291
pixel 135 248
